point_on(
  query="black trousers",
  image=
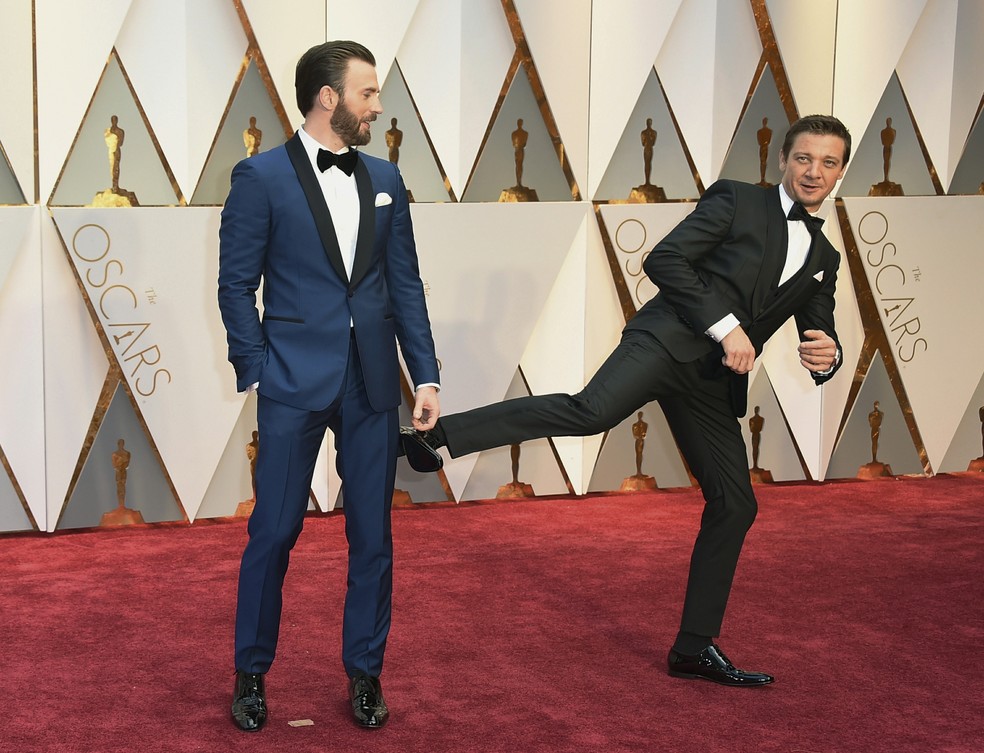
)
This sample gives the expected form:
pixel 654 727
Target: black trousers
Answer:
pixel 700 412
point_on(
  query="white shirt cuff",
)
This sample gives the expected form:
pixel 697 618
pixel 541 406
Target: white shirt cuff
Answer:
pixel 718 330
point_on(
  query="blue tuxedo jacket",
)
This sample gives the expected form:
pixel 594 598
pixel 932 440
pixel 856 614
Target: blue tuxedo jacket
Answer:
pixel 277 227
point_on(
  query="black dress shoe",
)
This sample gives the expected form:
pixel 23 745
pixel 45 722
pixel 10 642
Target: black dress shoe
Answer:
pixel 249 710
pixel 712 664
pixel 368 707
pixel 420 447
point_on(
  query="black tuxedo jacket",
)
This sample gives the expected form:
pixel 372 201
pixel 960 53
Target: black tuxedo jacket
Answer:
pixel 726 257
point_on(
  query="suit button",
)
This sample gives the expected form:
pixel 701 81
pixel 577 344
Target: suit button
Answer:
pixel 351 294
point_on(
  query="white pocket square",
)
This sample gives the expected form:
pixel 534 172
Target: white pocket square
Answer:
pixel 818 276
pixel 382 199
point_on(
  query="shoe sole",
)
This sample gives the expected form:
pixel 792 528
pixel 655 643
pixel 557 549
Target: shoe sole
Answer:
pixel 689 676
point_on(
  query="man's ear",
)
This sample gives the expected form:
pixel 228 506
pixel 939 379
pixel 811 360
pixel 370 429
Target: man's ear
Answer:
pixel 327 97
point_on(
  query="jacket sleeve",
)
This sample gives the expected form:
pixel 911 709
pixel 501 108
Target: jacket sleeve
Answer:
pixel 818 313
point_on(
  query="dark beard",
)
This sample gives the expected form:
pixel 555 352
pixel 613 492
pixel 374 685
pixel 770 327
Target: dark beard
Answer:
pixel 347 126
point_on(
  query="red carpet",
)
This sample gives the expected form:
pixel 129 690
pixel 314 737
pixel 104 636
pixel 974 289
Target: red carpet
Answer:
pixel 524 627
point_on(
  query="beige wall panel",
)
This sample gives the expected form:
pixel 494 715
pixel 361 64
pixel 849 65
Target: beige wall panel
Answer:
pixel 283 38
pixel 17 108
pixel 75 368
pixel 563 61
pixel 21 342
pixel 150 274
pixel 488 270
pixel 626 36
pixel 871 36
pixel 706 66
pixel 65 90
pixel 923 263
pixel 805 34
pixel 455 58
pixel 182 59
pixel 946 41
pixel 379 24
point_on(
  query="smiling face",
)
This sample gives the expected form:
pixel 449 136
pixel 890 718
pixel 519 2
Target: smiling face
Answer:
pixel 812 168
pixel 359 104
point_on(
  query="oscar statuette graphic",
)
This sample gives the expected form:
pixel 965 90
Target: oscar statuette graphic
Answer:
pixel 519 192
pixel 647 193
pixel 640 482
pixel 245 508
pixel 394 140
pixel 764 136
pixel 515 489
pixel 875 469
pixel 977 464
pixel 886 187
pixel 252 137
pixel 755 424
pixel 122 515
pixel 114 196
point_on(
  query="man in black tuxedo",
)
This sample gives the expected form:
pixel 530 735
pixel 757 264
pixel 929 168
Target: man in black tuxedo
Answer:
pixel 327 229
pixel 745 260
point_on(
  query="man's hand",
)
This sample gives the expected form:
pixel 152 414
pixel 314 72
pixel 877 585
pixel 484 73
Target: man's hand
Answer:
pixel 819 352
pixel 739 353
pixel 426 409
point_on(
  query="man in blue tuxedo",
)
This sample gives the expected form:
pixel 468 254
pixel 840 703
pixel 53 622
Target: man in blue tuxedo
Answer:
pixel 327 229
pixel 729 275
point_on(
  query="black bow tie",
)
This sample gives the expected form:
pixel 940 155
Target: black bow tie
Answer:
pixel 798 212
pixel 344 161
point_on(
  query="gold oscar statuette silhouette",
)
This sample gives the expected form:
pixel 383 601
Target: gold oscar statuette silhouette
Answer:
pixel 977 464
pixel 114 196
pixel 515 489
pixel 886 187
pixel 755 424
pixel 394 140
pixel 640 482
pixel 121 515
pixel 980 189
pixel 875 469
pixel 519 192
pixel 245 508
pixel 252 137
pixel 764 136
pixel 647 193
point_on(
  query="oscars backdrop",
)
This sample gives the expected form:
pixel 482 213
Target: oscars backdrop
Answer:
pixel 547 145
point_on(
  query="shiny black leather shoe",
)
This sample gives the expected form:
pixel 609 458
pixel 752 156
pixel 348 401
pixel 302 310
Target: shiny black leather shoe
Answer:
pixel 420 447
pixel 249 710
pixel 368 707
pixel 711 664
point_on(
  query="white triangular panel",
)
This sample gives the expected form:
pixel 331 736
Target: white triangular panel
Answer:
pixel 563 62
pixel 326 482
pixel 706 66
pixel 805 35
pixel 21 342
pixel 75 368
pixel 347 20
pixel 281 44
pixel 484 306
pixel 946 41
pixel 143 269
pixel 17 113
pixel 850 332
pixel 923 262
pixel 64 91
pixel 182 63
pixel 871 35
pixel 625 40
pixel 455 58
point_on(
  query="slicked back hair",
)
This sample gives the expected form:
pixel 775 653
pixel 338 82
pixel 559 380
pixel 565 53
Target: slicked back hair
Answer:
pixel 819 125
pixel 325 65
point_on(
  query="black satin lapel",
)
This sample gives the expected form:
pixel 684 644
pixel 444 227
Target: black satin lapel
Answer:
pixel 776 239
pixel 316 201
pixel 367 223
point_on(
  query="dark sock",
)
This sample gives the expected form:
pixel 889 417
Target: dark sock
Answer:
pixel 438 433
pixel 691 644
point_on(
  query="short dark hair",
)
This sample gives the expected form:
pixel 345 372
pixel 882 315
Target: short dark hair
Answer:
pixel 325 65
pixel 820 125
